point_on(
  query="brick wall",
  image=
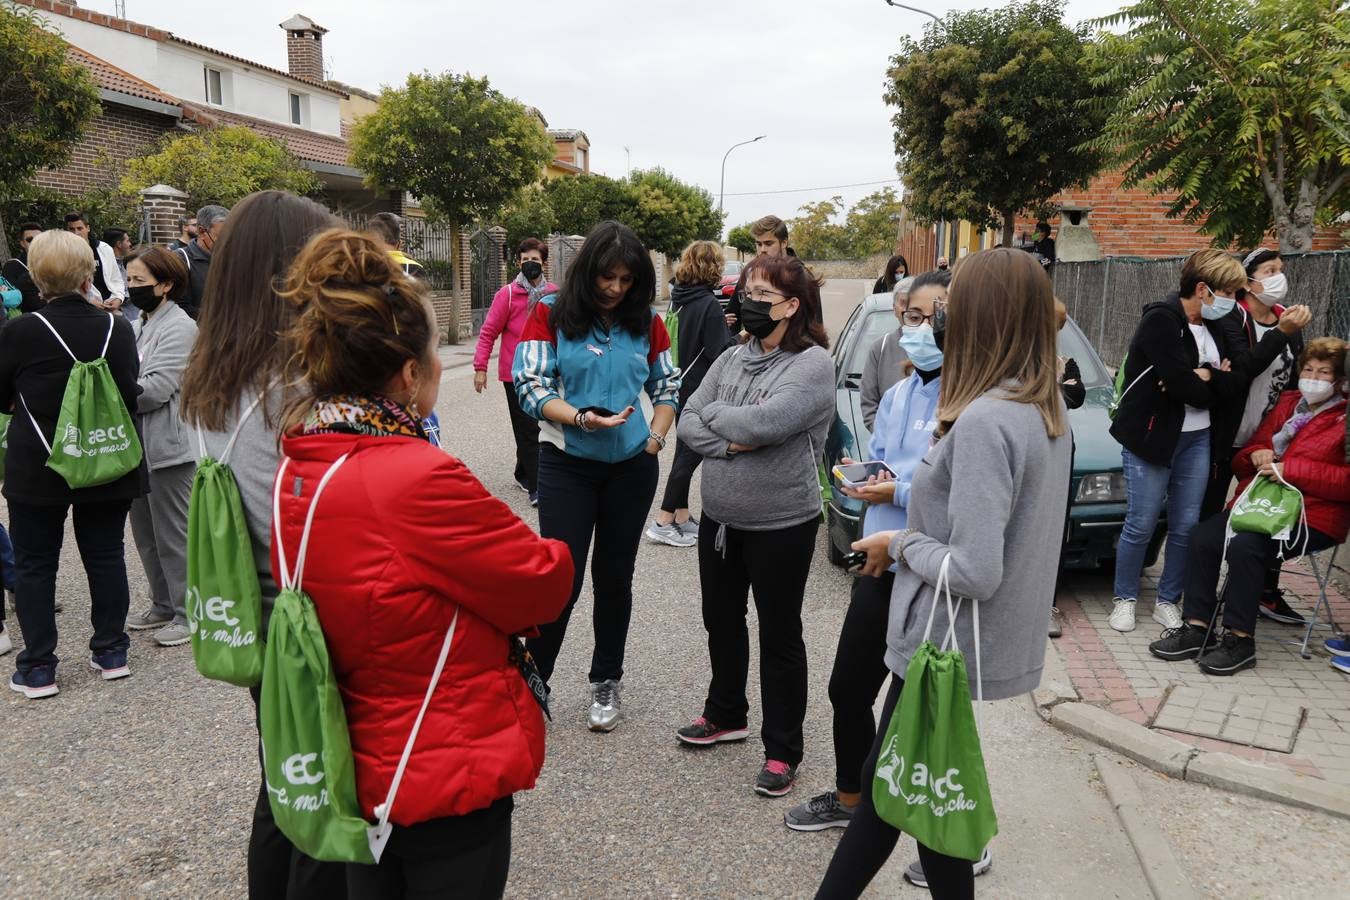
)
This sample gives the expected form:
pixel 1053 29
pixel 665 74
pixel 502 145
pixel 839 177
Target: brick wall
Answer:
pixel 118 134
pixel 1132 222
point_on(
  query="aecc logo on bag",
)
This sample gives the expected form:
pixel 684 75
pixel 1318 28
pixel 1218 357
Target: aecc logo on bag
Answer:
pixel 216 609
pixel 936 793
pixel 98 442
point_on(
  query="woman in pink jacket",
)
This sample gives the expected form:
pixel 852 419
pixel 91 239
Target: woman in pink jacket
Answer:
pixel 510 308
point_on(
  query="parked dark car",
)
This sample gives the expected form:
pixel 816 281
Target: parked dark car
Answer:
pixel 1097 483
pixel 726 289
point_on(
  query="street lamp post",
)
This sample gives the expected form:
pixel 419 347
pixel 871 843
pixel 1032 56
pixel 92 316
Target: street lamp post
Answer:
pixel 722 190
pixel 914 9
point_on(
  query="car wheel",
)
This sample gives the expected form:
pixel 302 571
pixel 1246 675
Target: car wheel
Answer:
pixel 836 556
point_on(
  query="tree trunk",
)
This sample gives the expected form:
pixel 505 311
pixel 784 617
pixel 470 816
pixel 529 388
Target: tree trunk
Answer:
pixel 1009 226
pixel 1295 228
pixel 4 241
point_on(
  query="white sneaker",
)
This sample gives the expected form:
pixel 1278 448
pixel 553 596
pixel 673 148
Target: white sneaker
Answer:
pixel 606 707
pixel 1122 617
pixel 1167 615
pixel 6 644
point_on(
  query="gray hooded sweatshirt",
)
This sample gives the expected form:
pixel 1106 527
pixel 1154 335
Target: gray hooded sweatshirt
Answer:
pixel 990 494
pixel 782 403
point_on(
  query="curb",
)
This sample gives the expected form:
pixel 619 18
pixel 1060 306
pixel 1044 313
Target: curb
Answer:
pixel 1163 873
pixel 1184 762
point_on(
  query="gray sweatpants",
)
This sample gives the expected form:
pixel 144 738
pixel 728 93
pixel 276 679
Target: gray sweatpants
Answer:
pixel 159 524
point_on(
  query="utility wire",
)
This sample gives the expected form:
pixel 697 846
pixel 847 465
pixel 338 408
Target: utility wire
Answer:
pixel 828 187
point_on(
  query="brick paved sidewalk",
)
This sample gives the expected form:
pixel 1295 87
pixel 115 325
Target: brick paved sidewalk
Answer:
pixel 1287 711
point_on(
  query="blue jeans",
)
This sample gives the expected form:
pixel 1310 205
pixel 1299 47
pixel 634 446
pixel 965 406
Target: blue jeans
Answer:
pixel 1147 487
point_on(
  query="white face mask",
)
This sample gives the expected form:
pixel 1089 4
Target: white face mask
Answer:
pixel 1315 390
pixel 1273 289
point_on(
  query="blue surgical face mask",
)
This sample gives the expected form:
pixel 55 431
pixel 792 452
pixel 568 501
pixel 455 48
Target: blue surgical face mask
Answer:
pixel 1221 307
pixel 918 343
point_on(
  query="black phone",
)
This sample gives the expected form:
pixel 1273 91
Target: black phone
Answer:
pixel 854 562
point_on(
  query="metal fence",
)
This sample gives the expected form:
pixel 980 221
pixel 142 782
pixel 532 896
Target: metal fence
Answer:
pixel 562 249
pixel 1105 296
pixel 432 245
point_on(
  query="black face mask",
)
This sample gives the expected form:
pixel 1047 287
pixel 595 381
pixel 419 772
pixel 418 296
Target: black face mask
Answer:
pixel 755 318
pixel 144 298
pixel 531 269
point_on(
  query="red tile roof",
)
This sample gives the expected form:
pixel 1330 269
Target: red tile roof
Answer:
pixel 306 145
pixel 156 34
pixel 111 78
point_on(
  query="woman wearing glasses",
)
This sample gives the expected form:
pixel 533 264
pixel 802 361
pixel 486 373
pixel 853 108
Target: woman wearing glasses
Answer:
pixel 901 436
pixel 759 421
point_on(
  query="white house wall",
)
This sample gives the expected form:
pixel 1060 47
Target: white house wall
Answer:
pixel 177 70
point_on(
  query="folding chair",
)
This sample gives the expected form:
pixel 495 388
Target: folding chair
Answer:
pixel 1321 570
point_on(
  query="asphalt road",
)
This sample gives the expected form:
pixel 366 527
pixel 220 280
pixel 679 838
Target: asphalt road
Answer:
pixel 144 787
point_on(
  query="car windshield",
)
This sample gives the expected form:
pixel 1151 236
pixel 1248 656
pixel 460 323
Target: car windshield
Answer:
pixel 873 325
pixel 731 268
pixel 1074 345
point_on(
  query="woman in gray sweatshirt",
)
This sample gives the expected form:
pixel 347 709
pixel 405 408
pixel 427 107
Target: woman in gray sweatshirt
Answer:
pixel 989 496
pixel 759 420
pixel 232 392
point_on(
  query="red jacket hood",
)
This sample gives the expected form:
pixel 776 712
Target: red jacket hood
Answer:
pixel 403 536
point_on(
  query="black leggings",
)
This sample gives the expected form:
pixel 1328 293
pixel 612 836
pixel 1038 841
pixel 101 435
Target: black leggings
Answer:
pixel 868 841
pixel 579 498
pixel 858 674
pixel 525 429
pixel 477 871
pixel 681 473
pixel 775 564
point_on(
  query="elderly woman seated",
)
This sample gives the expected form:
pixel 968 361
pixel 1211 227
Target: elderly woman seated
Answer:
pixel 1302 440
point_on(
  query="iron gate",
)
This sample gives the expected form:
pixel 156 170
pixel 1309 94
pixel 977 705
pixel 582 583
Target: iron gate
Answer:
pixel 485 268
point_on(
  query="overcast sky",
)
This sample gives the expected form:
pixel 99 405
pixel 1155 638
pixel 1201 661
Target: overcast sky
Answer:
pixel 677 83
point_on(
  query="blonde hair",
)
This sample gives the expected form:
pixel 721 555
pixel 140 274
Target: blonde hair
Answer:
pixel 1000 327
pixel 1061 314
pixel 1215 268
pixel 700 263
pixel 60 262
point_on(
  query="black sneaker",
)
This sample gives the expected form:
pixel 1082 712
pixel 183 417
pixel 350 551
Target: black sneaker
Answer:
pixel 1181 643
pixel 914 874
pixel 1274 607
pixel 820 812
pixel 701 733
pixel 1231 656
pixel 775 779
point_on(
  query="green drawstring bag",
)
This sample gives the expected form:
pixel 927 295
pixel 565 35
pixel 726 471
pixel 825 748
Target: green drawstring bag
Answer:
pixel 224 599
pixel 1268 506
pixel 930 780
pixel 307 751
pixel 4 442
pixel 96 439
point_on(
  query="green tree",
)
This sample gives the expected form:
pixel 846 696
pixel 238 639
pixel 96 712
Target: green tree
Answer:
pixel 668 213
pixel 582 201
pixel 994 112
pixel 741 238
pixel 46 101
pixel 872 225
pixel 815 232
pixel 1237 106
pixel 457 143
pixel 530 215
pixel 219 165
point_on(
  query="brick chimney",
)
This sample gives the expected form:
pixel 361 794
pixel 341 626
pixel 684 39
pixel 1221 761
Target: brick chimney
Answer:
pixel 304 47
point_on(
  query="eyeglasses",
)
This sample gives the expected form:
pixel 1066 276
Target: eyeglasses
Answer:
pixel 913 318
pixel 760 295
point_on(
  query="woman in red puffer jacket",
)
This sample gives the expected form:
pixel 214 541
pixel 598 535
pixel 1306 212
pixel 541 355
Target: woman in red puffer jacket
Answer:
pixel 405 536
pixel 1301 441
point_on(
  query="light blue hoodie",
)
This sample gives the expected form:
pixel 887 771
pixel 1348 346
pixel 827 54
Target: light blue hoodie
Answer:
pixel 901 436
